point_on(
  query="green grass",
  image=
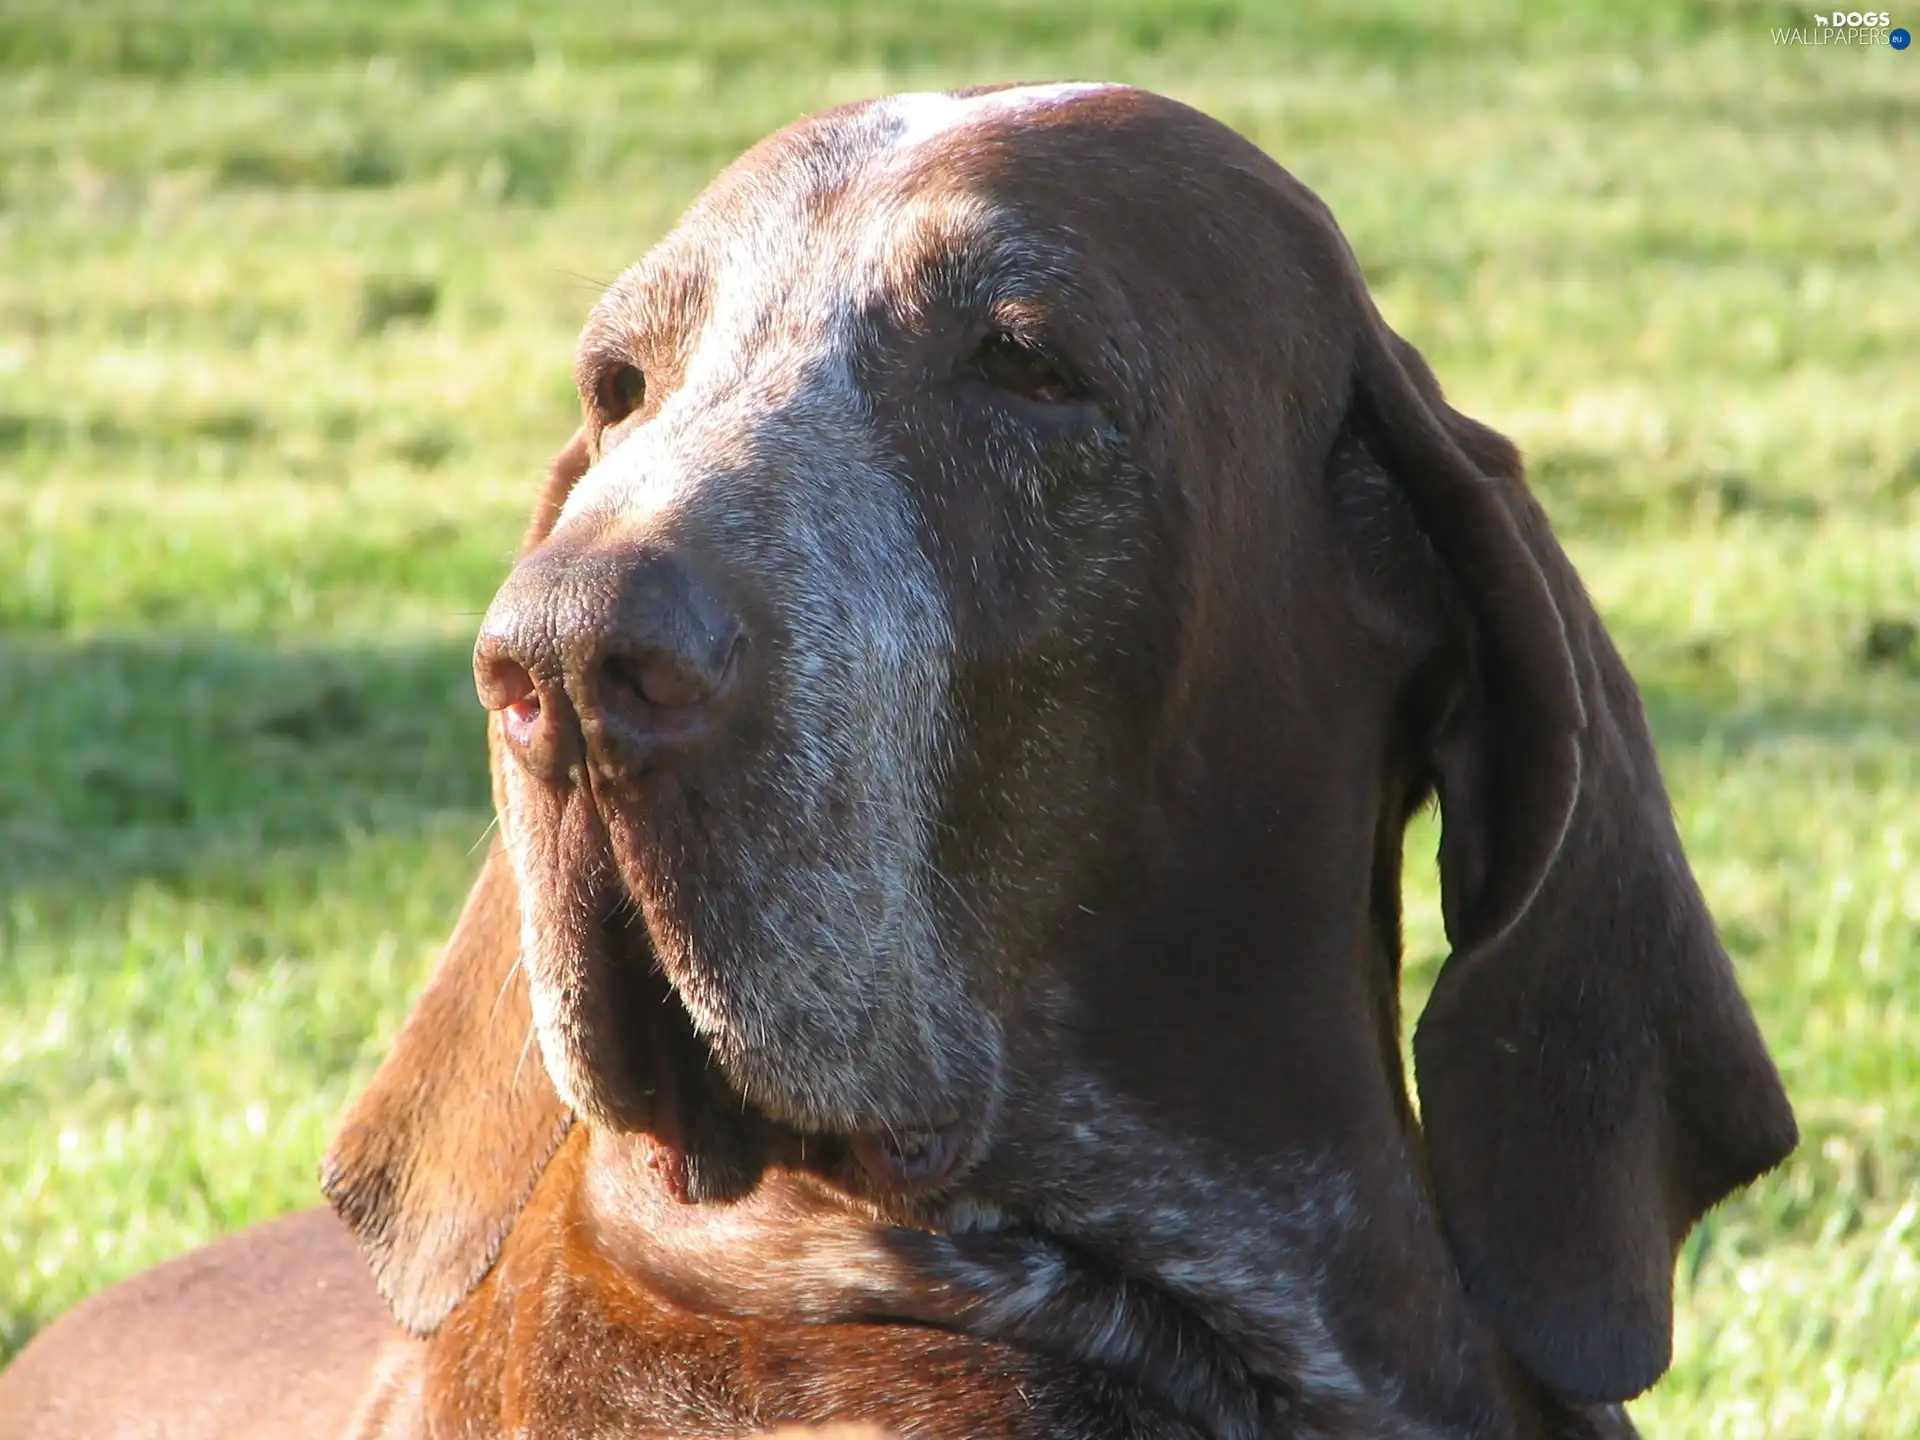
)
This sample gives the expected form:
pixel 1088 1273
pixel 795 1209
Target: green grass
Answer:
pixel 286 302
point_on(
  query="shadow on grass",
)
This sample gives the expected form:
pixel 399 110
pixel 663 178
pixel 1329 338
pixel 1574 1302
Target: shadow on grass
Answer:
pixel 162 759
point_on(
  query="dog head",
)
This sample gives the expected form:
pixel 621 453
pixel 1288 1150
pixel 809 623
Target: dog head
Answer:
pixel 1007 595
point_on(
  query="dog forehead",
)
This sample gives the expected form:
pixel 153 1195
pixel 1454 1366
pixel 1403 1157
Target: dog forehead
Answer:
pixel 917 136
pixel 835 202
pixel 918 118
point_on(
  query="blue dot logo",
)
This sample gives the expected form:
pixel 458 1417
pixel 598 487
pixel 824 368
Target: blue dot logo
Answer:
pixel 1899 39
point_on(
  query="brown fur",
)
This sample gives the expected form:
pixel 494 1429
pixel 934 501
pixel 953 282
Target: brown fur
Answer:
pixel 1111 871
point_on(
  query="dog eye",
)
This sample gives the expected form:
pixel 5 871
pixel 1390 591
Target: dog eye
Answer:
pixel 621 391
pixel 1008 363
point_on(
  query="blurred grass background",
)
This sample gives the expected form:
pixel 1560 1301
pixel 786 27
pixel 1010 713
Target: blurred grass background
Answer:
pixel 286 300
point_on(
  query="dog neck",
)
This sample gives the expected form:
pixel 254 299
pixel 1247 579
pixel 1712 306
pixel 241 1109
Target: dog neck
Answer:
pixel 1270 1188
pixel 1151 1250
pixel 1272 1181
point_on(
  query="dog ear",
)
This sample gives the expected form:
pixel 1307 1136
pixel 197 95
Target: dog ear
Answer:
pixel 434 1161
pixel 1591 1079
pixel 436 1157
pixel 563 473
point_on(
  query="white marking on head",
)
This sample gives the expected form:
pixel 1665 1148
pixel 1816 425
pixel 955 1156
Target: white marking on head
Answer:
pixel 816 909
pixel 923 115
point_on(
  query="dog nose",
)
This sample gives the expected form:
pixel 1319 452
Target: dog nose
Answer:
pixel 626 651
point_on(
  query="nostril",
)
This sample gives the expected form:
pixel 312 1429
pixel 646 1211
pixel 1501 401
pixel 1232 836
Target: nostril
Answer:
pixel 522 719
pixel 502 681
pixel 666 680
pixel 669 686
pixel 658 680
pixel 505 685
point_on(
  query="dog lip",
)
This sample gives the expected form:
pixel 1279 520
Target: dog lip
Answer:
pixel 698 1097
pixel 667 1158
pixel 912 1160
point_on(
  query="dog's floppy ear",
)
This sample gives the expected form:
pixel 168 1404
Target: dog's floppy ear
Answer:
pixel 434 1161
pixel 563 473
pixel 1591 1078
pixel 436 1157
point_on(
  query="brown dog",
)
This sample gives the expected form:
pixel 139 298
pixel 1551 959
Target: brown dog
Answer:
pixel 956 717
